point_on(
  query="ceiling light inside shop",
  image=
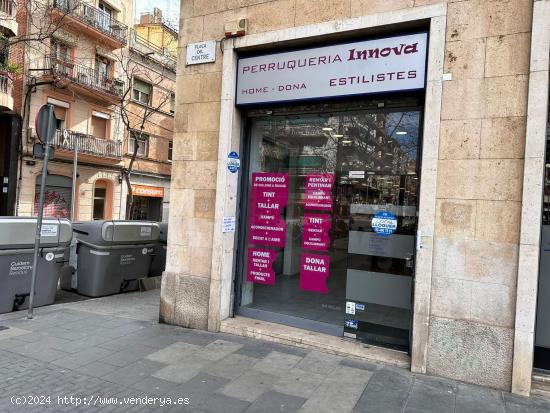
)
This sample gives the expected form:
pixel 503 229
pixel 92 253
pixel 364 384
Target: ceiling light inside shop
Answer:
pixel 346 141
pixel 400 132
pixel 389 154
pixel 328 129
pixel 338 136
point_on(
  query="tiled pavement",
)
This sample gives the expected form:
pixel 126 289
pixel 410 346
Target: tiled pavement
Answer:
pixel 92 349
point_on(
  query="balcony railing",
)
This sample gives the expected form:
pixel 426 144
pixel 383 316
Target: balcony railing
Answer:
pixel 88 144
pixel 8 7
pixel 84 75
pixel 162 54
pixel 93 17
pixel 6 84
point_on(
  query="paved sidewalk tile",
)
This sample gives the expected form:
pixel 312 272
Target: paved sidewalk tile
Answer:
pixel 182 370
pixel 128 356
pixel 387 390
pixel 273 402
pixel 231 366
pixel 321 363
pixel 277 363
pixel 250 385
pixel 471 399
pixel 74 361
pixel 173 352
pixel 220 403
pixel 430 396
pixel 338 392
pixel 218 350
pixel 299 383
pixel 134 372
pixel 97 369
pixel 199 388
pixel 154 385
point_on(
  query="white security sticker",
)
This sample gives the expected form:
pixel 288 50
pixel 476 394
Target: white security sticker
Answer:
pixel 144 251
pixel 228 224
pixel 48 230
pixel 50 256
pixel 350 307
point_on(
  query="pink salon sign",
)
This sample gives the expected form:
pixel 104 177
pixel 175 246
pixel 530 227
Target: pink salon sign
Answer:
pixel 319 191
pixel 371 66
pixel 315 232
pixel 260 266
pixel 314 271
pixel 268 198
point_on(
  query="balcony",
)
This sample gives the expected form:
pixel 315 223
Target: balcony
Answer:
pixel 146 48
pixel 6 87
pixel 87 144
pixel 84 79
pixel 91 20
pixel 8 24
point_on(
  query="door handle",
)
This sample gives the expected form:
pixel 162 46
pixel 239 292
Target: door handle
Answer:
pixel 409 261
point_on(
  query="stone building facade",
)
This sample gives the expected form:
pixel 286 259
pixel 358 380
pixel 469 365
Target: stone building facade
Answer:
pixel 483 126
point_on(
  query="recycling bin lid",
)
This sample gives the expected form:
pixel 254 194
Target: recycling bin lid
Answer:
pixel 19 232
pixel 112 232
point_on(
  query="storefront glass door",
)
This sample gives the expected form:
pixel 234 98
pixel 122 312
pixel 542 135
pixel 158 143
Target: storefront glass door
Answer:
pixel 331 217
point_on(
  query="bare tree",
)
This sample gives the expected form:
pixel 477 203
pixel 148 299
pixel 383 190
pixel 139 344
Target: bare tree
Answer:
pixel 138 109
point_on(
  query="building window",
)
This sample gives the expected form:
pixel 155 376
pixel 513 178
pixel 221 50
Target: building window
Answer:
pixel 60 117
pixel 102 200
pixel 172 103
pixel 99 202
pixel 142 91
pixel 143 141
pixel 170 148
pixel 60 55
pixel 105 16
pixel 99 125
pixel 60 51
pixel 102 67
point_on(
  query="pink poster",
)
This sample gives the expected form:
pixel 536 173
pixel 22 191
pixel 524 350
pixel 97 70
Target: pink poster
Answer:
pixel 319 191
pixel 260 266
pixel 269 197
pixel 314 271
pixel 315 232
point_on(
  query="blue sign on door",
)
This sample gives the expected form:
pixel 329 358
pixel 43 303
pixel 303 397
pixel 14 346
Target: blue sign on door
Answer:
pixel 384 223
pixel 233 162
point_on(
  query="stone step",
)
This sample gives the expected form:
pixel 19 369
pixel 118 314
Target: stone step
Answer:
pixel 540 385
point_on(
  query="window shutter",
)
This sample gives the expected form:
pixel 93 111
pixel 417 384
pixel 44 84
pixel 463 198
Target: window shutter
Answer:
pixel 142 86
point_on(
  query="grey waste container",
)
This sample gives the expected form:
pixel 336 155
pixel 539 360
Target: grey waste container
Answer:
pixel 16 258
pixel 158 265
pixel 113 255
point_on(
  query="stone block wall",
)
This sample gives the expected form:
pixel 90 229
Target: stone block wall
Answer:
pixel 479 182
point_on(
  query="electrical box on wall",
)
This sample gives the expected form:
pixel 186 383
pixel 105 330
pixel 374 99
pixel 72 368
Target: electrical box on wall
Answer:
pixel 236 28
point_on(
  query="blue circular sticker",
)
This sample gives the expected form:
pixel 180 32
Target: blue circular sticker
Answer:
pixel 384 223
pixel 233 162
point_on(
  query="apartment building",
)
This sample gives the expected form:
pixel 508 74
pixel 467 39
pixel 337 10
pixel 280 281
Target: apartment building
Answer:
pixel 76 68
pixel 9 121
pixel 150 116
pixel 85 61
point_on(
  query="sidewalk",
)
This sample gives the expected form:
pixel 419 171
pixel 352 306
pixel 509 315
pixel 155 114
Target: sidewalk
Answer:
pixel 93 351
